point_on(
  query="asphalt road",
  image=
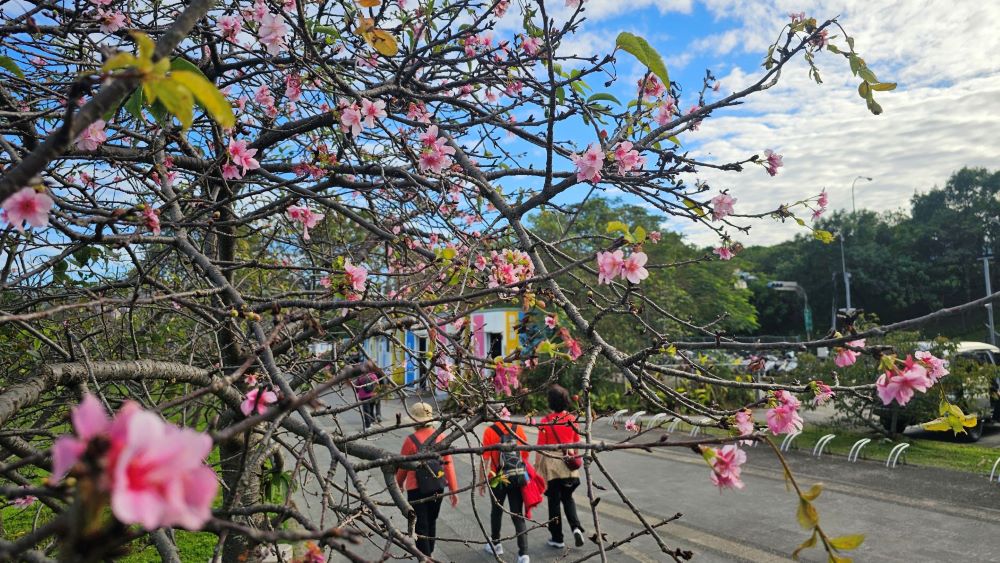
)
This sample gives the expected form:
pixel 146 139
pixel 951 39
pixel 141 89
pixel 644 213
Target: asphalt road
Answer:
pixel 908 514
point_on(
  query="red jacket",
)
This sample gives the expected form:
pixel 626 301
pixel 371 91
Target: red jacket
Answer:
pixel 533 492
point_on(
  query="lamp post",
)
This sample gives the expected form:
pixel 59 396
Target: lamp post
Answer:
pixel 806 312
pixel 847 275
pixel 987 254
pixel 854 208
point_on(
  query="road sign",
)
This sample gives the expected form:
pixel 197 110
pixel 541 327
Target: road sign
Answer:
pixel 809 319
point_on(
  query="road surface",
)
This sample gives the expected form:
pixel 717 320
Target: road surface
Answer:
pixel 908 514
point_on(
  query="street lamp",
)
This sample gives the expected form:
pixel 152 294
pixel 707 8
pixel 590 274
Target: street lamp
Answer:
pixel 854 208
pixel 987 254
pixel 847 275
pixel 794 286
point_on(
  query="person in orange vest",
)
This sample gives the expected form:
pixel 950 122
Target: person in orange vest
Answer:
pixel 425 485
pixel 505 472
pixel 561 471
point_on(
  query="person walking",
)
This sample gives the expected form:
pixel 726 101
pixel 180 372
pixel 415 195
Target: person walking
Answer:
pixel 506 473
pixel 425 485
pixel 561 470
pixel 365 388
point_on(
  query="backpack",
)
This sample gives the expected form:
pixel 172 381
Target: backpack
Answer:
pixel 368 383
pixel 430 474
pixel 511 465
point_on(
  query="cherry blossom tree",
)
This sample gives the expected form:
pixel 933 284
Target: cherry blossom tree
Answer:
pixel 194 193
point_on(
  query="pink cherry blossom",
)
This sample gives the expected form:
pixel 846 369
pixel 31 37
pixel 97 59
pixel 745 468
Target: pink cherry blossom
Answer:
pixel 609 266
pixel 25 501
pixel 350 120
pixel 356 276
pixel 154 471
pixel 572 346
pixel 654 237
pixel 371 111
pixel 589 164
pixel 627 158
pixel 262 95
pixel 89 421
pixel 900 385
pixel 784 419
pixel 505 377
pixel 258 12
pixel 306 216
pixel 159 477
pixel 27 205
pixel 665 112
pixel 724 253
pixel 632 426
pixel 846 357
pixel 937 368
pixel 726 466
pixel 92 137
pixel 257 400
pixel 242 156
pixel 551 321
pixel 823 393
pixel 722 206
pixel 773 162
pixel 651 87
pixel 272 32
pixel 573 3
pixel 823 199
pixel 744 424
pixel 697 122
pixel 110 22
pixel 632 268
pixel 417 111
pixel 293 87
pixel 531 45
pixel 152 219
pixel 230 27
pixel 231 172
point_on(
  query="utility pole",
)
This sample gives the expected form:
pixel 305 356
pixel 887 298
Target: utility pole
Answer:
pixel 847 275
pixel 987 254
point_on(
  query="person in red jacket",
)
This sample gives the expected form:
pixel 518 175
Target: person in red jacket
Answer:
pixel 506 473
pixel 426 500
pixel 559 427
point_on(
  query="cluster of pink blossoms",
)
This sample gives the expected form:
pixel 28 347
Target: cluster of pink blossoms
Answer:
pixel 823 392
pixel 572 345
pixel 110 22
pixel 92 137
pixel 611 265
pixel 590 163
pixel 772 162
pixel 355 118
pixel 726 466
pixel 154 471
pixel 505 377
pixel 845 356
pixel 722 206
pixel 306 216
pixel 258 400
pixel 27 205
pixel 917 374
pixel 436 152
pixel 744 424
pixel 784 418
pixel 357 277
pixel 508 267
pixel 241 160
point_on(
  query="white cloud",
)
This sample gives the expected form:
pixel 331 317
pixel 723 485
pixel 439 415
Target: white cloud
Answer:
pixel 944 115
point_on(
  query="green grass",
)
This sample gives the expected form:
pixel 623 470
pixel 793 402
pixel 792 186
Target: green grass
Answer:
pixel 944 453
pixel 932 453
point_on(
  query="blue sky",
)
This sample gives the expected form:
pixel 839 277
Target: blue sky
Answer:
pixel 944 115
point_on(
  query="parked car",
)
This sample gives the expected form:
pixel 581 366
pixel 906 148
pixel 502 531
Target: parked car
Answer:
pixel 973 385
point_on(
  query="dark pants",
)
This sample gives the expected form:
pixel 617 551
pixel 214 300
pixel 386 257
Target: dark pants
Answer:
pixel 427 514
pixel 516 502
pixel 560 493
pixel 367 415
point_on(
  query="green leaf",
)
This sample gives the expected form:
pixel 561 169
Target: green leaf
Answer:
pixel 813 492
pixel 673 139
pixel 807 516
pixel 8 64
pixel 847 543
pixel 603 97
pixel 864 90
pixel 800 221
pixel 133 105
pixel 177 99
pixel 883 86
pixel 832 48
pixel 805 545
pixel 618 226
pixel 693 205
pixel 641 50
pixel 208 96
pixel 561 95
pixel 640 235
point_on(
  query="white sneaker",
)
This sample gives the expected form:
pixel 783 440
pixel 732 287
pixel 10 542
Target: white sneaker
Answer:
pixel 492 549
pixel 578 534
pixel 555 544
pixel 523 559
